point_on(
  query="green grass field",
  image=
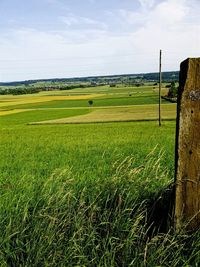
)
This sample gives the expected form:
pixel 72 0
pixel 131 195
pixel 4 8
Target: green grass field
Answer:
pixel 88 194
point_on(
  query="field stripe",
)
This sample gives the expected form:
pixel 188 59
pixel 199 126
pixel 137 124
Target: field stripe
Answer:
pixel 13 111
pixel 8 102
pixel 135 113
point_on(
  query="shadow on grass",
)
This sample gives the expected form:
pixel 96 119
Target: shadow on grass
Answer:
pixel 160 211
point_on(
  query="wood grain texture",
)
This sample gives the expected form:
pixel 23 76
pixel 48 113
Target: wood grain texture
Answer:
pixel 187 204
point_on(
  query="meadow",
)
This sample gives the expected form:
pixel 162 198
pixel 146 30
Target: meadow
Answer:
pixel 95 194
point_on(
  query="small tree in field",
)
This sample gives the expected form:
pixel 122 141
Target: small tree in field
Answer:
pixel 90 102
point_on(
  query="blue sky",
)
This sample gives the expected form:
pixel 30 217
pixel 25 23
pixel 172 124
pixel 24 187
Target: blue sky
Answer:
pixel 68 38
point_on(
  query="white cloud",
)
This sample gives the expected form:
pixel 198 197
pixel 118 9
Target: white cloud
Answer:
pixel 69 20
pixel 170 25
pixel 133 18
pixel 166 12
pixel 169 12
pixel 147 3
pixel 74 20
pixel 28 53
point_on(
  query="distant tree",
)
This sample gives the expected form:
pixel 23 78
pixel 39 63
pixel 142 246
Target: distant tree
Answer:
pixel 139 84
pixel 113 85
pixel 90 102
pixel 93 84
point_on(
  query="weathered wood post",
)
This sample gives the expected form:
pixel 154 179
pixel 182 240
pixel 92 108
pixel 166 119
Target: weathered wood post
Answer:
pixel 187 203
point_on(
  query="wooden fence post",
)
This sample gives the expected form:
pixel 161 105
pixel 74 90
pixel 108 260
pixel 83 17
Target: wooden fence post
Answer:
pixel 187 201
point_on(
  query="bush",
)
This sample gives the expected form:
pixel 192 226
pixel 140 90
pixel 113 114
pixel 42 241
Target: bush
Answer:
pixel 173 91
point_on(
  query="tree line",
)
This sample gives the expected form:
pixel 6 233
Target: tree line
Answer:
pixel 19 91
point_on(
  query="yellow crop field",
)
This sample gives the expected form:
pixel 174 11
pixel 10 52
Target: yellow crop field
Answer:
pixel 9 112
pixel 11 101
pixel 134 113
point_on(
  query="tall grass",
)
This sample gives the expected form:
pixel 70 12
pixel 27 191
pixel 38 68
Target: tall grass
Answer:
pixel 72 195
pixel 65 221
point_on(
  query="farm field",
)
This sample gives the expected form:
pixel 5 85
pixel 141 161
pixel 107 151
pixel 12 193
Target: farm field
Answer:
pixel 88 194
pixel 117 114
pixel 101 96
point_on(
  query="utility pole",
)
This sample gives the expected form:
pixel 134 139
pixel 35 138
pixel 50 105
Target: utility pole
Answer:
pixel 160 85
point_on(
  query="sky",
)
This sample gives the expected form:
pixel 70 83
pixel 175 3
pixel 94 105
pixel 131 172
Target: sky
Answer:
pixel 73 38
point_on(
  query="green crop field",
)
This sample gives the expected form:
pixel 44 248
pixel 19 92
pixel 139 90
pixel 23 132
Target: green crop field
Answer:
pixel 93 194
pixel 118 114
